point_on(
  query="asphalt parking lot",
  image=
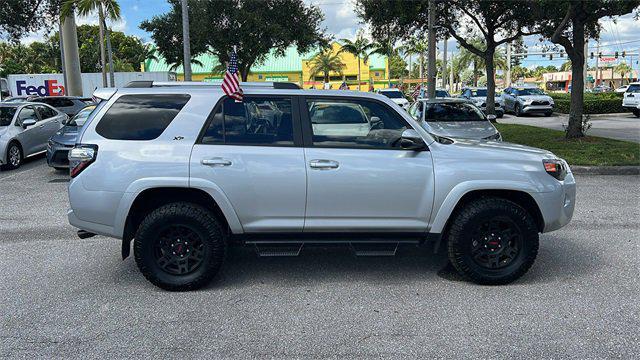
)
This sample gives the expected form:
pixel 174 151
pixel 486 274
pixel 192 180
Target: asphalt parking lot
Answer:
pixel 622 126
pixel 65 297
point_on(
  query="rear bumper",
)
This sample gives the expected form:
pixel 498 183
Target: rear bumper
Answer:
pixel 57 155
pixel 92 227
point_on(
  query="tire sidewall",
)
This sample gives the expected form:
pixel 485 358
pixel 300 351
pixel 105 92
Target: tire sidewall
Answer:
pixel 9 149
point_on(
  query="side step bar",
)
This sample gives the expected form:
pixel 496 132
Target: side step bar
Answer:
pixel 271 250
pixel 294 249
pixel 374 249
pixel 83 234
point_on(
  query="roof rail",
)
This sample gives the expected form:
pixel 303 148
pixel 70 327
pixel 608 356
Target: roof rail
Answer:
pixel 149 84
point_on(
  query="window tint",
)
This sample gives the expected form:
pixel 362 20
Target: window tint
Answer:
pixel 355 123
pixel 46 112
pixel 140 117
pixel 452 112
pixel 26 113
pixel 254 121
pixel 633 88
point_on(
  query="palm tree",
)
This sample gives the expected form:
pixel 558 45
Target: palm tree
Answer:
pixel 566 66
pixel 416 46
pixel 324 63
pixel 623 69
pixel 360 49
pixel 148 53
pixel 106 9
pixel 478 62
pixel 177 64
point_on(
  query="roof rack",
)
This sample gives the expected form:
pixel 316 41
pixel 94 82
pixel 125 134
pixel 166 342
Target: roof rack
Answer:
pixel 150 84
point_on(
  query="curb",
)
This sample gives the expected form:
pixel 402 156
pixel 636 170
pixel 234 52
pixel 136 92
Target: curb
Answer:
pixel 606 170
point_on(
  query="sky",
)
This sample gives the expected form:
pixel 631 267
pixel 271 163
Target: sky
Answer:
pixel 342 22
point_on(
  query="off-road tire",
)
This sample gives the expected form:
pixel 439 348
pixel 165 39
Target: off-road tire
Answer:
pixel 8 165
pixel 202 222
pixel 471 217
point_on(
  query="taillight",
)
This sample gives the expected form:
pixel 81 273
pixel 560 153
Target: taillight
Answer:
pixel 555 168
pixel 80 157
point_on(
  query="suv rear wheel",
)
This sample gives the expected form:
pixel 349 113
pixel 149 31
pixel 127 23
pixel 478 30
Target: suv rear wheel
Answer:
pixel 492 241
pixel 180 246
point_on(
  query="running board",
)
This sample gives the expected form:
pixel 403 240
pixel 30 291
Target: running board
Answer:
pixel 374 249
pixel 273 249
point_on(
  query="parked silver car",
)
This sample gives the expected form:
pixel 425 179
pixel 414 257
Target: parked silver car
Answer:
pixel 527 100
pixel 25 129
pixel 454 118
pixel 184 171
pixel 478 96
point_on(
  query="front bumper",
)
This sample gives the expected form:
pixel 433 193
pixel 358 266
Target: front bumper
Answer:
pixel 537 109
pixel 557 206
pixel 499 109
pixel 57 155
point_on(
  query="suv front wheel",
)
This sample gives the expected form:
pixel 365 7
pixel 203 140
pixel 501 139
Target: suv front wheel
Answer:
pixel 180 246
pixel 492 241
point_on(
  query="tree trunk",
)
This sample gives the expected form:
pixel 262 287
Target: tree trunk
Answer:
pixel 103 60
pixel 359 88
pixel 491 82
pixel 389 67
pixel 112 78
pixel 475 73
pixel 186 46
pixel 244 73
pixel 574 129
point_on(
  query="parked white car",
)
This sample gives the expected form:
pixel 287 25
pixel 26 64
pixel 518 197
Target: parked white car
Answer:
pixel 25 129
pixel 631 99
pixel 396 96
pixel 622 88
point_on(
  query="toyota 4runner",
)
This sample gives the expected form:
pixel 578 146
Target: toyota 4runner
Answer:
pixel 184 171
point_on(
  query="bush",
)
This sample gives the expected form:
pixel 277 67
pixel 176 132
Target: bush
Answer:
pixel 601 103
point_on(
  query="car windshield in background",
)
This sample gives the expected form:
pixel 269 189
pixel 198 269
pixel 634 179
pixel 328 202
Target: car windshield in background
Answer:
pixel 635 88
pixel 451 112
pixel 532 91
pixel 479 93
pixel 80 117
pixel 392 94
pixel 6 115
pixel 442 93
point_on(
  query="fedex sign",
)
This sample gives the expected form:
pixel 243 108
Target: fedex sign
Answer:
pixel 50 88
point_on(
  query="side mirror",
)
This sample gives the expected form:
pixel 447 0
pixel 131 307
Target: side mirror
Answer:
pixel 491 118
pixel 28 122
pixel 376 123
pixel 411 140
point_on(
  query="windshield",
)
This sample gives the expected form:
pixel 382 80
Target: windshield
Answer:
pixel 452 112
pixel 442 93
pixel 532 91
pixel 6 115
pixel 479 93
pixel 80 117
pixel 392 94
pixel 633 88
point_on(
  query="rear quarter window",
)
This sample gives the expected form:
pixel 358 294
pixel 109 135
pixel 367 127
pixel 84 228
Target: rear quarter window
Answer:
pixel 140 117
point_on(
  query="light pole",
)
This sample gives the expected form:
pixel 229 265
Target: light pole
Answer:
pixel 71 60
pixel 185 40
pixel 431 64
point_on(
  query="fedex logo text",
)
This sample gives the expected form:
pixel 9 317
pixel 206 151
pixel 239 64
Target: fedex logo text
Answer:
pixel 50 88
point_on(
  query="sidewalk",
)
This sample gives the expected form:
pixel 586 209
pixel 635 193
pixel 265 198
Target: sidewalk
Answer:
pixel 622 126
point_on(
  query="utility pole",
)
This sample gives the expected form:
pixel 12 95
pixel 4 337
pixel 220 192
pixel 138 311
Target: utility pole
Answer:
pixel 451 79
pixel 586 62
pixel 64 71
pixel 597 64
pixel 444 64
pixel 507 77
pixel 186 42
pixel 71 60
pixel 431 64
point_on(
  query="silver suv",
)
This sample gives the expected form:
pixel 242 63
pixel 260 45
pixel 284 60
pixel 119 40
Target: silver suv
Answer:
pixel 184 172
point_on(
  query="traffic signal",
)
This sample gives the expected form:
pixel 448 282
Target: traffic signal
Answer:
pixel 592 55
pixel 616 54
pixel 550 56
pixel 624 53
pixel 599 55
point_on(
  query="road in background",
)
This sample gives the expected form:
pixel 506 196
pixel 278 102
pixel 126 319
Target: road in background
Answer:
pixel 623 126
pixel 66 297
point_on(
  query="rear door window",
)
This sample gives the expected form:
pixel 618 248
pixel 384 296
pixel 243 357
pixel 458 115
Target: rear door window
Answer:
pixel 140 117
pixel 46 112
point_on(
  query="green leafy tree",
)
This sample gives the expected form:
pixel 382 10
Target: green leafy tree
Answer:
pixel 416 45
pixel 397 67
pixel 359 48
pixel 384 45
pixel 568 23
pixel 566 66
pixel 623 69
pixel 239 23
pixel 325 62
pixel 519 72
pixel 20 17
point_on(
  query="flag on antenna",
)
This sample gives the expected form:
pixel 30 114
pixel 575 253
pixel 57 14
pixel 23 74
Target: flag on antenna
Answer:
pixel 230 82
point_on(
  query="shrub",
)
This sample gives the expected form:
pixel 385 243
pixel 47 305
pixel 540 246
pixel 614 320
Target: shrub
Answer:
pixel 601 103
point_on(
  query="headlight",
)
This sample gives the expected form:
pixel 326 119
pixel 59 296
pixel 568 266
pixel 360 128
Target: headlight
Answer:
pixel 556 168
pixel 494 137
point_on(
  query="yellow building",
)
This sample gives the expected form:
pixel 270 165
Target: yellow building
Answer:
pixel 292 67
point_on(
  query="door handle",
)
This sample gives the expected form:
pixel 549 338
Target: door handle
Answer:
pixel 322 164
pixel 216 162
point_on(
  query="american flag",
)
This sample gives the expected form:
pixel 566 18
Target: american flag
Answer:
pixel 344 86
pixel 230 83
pixel 416 92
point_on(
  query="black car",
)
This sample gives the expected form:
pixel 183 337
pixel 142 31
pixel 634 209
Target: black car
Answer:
pixel 69 105
pixel 65 139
